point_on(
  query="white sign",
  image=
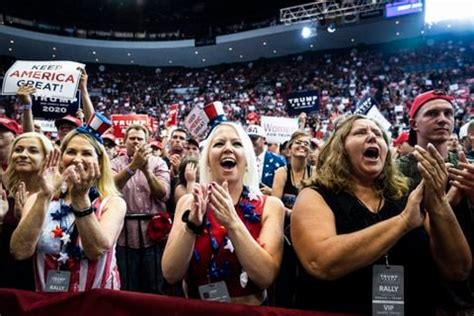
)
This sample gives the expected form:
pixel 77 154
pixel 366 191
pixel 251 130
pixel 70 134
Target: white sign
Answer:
pixel 46 126
pixel 279 129
pixel 52 79
pixel 375 114
pixel 453 87
pixel 196 122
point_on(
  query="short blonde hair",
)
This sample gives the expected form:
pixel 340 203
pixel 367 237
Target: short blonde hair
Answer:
pixel 12 178
pixel 105 184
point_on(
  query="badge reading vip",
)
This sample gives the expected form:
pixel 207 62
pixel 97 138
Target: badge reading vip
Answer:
pixel 388 290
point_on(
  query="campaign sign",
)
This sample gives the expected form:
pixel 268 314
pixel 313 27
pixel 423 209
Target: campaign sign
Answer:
pixel 279 129
pixel 197 122
pixel 53 79
pixel 53 108
pixel 46 126
pixel 375 114
pixel 306 101
pixel 173 116
pixel 120 122
pixel 365 105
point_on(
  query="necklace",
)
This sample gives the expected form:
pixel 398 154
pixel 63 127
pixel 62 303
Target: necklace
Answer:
pixel 219 240
pixel 70 253
pixel 379 206
pixel 292 177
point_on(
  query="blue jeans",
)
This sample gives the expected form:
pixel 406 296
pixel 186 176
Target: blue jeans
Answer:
pixel 140 269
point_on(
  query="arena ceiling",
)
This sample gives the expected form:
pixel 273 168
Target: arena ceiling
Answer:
pixel 267 42
pixel 140 15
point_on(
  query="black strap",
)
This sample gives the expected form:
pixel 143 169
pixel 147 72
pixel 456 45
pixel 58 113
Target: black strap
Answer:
pixel 197 230
pixel 83 213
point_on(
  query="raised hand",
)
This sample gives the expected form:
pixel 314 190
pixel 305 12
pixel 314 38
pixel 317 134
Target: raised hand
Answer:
pixel 175 162
pixel 80 115
pixel 24 94
pixel 413 215
pixel 83 80
pixel 433 170
pixel 83 177
pixel 20 198
pixel 198 208
pixel 190 172
pixel 50 178
pixel 222 204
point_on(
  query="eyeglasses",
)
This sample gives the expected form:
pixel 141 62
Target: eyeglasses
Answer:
pixel 301 143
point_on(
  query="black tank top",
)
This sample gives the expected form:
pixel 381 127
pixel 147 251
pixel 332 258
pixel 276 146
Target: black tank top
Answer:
pixel 290 192
pixel 352 293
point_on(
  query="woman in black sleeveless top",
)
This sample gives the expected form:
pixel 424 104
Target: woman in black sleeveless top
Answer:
pixel 288 179
pixel 355 215
pixel 286 184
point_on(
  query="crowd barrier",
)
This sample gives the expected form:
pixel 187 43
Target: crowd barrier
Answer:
pixel 118 303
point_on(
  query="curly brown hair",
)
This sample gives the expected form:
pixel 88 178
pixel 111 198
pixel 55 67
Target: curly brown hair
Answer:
pixel 334 171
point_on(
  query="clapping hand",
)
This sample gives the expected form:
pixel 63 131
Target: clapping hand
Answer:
pixel 140 158
pixel 412 214
pixel 83 177
pixel 463 179
pixel 434 172
pixel 175 161
pixel 20 198
pixel 190 172
pixel 198 208
pixel 50 178
pixel 222 204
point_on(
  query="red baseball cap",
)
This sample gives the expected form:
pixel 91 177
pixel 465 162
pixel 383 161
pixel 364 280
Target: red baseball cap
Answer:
pixel 421 100
pixel 11 125
pixel 68 119
pixel 156 144
pixel 402 138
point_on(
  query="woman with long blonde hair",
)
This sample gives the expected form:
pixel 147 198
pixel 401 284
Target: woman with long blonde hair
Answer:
pixel 72 237
pixel 27 156
pixel 227 234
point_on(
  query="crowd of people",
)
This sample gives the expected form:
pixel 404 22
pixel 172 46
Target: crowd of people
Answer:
pixel 308 224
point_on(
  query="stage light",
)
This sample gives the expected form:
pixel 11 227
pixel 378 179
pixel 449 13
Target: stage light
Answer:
pixel 310 30
pixel 332 27
pixel 306 32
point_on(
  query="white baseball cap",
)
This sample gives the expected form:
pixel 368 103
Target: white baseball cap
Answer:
pixel 256 130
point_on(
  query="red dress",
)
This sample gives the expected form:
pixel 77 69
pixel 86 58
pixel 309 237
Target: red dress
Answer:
pixel 213 257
